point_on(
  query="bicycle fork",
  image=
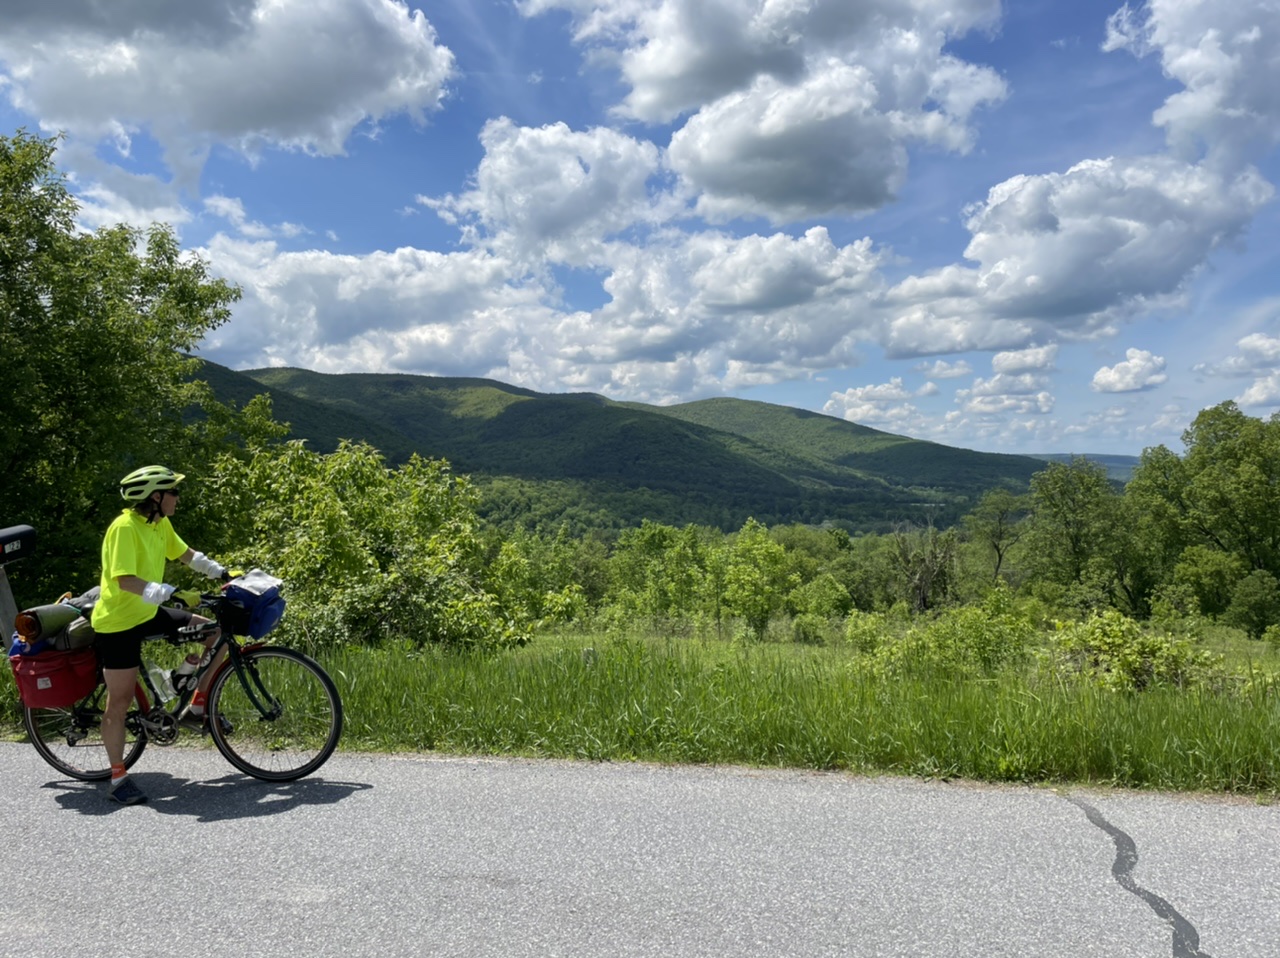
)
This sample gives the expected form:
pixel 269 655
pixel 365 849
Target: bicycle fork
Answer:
pixel 247 670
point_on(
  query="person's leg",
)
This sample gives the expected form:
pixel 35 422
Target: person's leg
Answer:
pixel 121 684
pixel 203 687
pixel 194 715
pixel 121 656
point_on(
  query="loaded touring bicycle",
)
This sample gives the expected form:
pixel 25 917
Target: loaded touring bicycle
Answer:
pixel 273 712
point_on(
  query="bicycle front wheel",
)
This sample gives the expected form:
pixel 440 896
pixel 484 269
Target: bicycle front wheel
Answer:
pixel 70 739
pixel 277 717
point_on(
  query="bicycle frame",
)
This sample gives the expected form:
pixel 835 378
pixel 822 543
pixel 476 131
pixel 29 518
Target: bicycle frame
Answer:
pixel 235 650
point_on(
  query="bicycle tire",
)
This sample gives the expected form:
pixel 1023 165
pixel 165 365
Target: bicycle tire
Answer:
pixel 285 746
pixel 70 738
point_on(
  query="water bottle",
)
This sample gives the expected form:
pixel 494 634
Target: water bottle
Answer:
pixel 160 679
pixel 184 671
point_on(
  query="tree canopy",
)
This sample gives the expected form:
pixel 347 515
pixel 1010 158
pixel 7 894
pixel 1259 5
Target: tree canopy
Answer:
pixel 95 331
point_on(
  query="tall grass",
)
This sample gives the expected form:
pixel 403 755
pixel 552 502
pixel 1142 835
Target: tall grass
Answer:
pixel 811 708
pixel 800 706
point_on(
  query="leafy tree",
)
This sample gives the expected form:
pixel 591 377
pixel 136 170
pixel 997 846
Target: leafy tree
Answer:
pixel 1255 603
pixel 868 571
pixel 1157 490
pixel 823 596
pixel 810 551
pixel 757 580
pixel 1233 494
pixel 1073 518
pixel 368 553
pixel 1210 576
pixel 535 574
pixel 1213 514
pixel 1133 552
pixel 997 523
pixel 97 325
pixel 657 571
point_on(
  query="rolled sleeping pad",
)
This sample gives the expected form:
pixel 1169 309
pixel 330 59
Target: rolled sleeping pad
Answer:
pixel 45 621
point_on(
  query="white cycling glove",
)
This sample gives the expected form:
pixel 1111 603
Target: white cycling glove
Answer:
pixel 206 566
pixel 157 593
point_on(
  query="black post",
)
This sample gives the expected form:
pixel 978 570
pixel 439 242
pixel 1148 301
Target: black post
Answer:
pixel 16 542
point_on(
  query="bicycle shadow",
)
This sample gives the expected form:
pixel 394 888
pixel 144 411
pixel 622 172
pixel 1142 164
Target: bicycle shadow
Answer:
pixel 233 796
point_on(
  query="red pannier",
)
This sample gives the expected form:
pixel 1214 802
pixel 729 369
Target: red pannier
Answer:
pixel 55 679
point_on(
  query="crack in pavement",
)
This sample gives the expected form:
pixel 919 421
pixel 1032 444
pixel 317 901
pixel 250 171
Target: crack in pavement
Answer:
pixel 1186 940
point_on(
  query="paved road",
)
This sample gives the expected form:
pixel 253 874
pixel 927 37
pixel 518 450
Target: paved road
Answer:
pixel 387 856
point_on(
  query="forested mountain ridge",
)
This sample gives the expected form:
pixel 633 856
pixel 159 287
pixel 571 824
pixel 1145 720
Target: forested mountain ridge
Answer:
pixel 597 462
pixel 831 443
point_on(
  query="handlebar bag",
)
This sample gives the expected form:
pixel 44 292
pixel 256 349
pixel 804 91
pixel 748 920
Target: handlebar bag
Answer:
pixel 255 604
pixel 55 679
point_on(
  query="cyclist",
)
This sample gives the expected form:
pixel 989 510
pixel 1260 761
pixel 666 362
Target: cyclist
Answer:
pixel 132 607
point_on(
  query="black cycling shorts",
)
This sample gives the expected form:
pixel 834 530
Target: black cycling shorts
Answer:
pixel 123 650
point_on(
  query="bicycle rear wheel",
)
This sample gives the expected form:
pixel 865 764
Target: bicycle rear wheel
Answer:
pixel 70 739
pixel 283 710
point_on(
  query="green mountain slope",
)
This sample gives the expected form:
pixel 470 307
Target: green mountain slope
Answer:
pixel 321 424
pixel 833 444
pixel 595 462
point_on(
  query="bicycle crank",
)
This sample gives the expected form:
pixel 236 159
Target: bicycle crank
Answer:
pixel 161 726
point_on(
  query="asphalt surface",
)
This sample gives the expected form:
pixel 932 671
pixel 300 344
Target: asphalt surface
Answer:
pixel 419 855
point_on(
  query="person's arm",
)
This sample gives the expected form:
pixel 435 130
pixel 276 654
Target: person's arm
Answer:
pixel 157 593
pixel 201 563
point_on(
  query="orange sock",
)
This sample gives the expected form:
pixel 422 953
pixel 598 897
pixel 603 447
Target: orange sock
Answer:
pixel 197 702
pixel 118 771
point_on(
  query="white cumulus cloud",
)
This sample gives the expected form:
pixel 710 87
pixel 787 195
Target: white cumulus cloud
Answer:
pixel 288 73
pixel 1265 391
pixel 1139 370
pixel 555 192
pixel 1072 254
pixel 795 109
pixel 1031 359
pixel 886 406
pixel 1227 58
pixel 941 369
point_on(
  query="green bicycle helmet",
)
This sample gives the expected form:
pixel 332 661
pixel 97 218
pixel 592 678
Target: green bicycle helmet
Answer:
pixel 139 484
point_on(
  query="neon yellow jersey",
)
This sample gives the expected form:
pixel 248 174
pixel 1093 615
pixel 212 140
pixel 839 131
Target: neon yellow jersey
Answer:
pixel 132 546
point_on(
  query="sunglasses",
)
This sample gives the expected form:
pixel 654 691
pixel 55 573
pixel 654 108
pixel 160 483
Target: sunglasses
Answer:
pixel 172 492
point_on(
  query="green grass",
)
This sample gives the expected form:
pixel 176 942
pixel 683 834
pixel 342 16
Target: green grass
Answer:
pixel 773 705
pixel 690 701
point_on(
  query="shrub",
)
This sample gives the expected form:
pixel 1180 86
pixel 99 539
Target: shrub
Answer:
pixel 864 630
pixel 1272 636
pixel 1118 653
pixel 367 553
pixel 973 640
pixel 809 629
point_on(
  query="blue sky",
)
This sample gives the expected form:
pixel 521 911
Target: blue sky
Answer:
pixel 1048 226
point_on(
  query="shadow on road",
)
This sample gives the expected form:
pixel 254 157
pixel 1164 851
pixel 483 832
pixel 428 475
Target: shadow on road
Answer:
pixel 233 796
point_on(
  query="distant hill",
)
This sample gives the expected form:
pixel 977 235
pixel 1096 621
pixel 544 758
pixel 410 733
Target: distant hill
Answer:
pixel 595 463
pixel 831 444
pixel 1119 468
